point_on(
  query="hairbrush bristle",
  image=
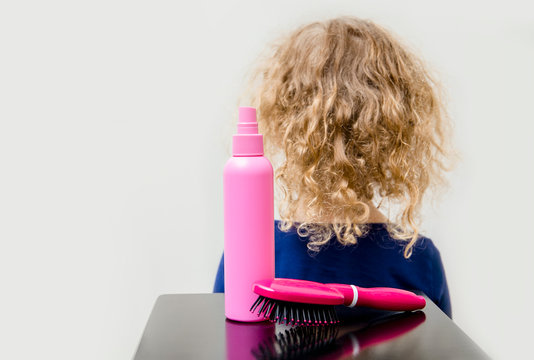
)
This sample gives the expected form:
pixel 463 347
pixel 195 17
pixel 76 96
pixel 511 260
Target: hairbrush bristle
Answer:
pixel 290 313
pixel 296 342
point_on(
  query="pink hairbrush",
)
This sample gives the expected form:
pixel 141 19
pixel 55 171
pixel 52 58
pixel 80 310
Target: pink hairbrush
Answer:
pixel 302 302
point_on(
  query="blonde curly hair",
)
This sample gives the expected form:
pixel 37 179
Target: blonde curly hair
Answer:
pixel 357 118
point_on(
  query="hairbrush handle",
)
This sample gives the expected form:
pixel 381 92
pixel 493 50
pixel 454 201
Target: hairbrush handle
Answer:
pixel 380 298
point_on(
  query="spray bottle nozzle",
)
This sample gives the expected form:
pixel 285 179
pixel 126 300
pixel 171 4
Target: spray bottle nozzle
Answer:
pixel 247 141
pixel 247 121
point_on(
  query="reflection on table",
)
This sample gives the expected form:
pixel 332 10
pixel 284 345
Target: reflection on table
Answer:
pixel 268 341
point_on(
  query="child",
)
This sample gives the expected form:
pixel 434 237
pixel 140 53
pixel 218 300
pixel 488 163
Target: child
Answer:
pixel 356 120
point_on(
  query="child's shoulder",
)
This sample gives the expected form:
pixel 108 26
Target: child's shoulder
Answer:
pixel 380 238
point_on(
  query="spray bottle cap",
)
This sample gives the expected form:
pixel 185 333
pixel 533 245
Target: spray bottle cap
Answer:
pixel 247 121
pixel 247 141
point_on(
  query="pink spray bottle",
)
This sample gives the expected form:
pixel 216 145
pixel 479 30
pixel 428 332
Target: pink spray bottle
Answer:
pixel 248 218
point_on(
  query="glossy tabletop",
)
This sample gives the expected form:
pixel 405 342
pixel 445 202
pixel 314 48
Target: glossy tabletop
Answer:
pixel 193 326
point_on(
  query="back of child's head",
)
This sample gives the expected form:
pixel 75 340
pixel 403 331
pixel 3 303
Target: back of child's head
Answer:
pixel 357 119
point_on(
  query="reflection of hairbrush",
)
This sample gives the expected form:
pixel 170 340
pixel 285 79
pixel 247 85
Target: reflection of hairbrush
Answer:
pixel 334 342
pixel 297 342
pixel 302 302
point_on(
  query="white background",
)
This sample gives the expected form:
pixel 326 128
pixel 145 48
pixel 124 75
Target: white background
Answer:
pixel 115 123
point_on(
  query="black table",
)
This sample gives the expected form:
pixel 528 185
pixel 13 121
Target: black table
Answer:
pixel 193 326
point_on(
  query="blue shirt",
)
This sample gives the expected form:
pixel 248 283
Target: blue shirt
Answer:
pixel 375 261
